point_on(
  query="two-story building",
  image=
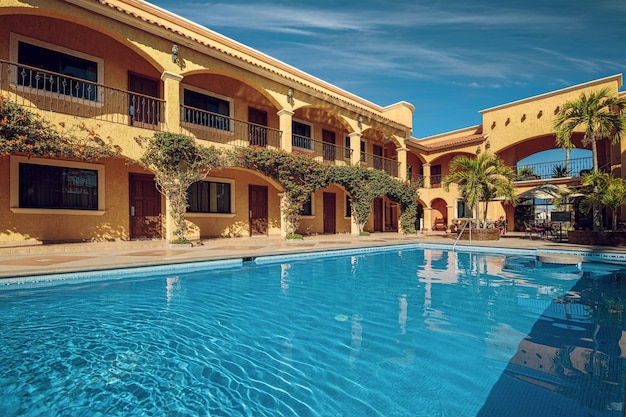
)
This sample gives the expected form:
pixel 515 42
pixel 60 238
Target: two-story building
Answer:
pixel 129 69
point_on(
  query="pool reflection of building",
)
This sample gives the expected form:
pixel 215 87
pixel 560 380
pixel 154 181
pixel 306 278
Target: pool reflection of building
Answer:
pixel 571 352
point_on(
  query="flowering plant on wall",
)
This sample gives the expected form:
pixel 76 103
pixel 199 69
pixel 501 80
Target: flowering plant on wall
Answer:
pixel 177 161
pixel 299 175
pixel 26 133
pixel 364 185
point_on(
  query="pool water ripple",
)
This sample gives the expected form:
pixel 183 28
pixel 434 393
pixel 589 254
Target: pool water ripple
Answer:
pixel 399 333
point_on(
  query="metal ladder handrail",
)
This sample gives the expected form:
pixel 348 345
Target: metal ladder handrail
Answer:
pixel 461 232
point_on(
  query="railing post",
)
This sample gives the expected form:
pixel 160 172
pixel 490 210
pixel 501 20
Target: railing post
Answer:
pixel 285 122
pixel 171 93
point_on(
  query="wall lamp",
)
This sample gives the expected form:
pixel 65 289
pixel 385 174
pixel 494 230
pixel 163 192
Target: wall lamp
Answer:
pixel 478 150
pixel 359 122
pixel 174 53
pixel 290 96
pixel 487 145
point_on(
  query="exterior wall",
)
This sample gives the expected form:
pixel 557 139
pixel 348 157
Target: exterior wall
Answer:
pixel 110 222
pixel 127 36
pixel 236 224
pixel 533 117
pixel 314 224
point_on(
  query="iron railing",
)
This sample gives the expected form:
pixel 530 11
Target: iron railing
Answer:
pixel 218 128
pixel 327 153
pixel 60 93
pixel 389 166
pixel 554 169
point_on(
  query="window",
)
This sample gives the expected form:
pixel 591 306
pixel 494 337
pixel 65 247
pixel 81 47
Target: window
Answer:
pixel 435 176
pixel 55 187
pixel 205 110
pixel 301 135
pixel 348 212
pixel 363 150
pixel 53 65
pixel 347 150
pixel 209 197
pixel 307 208
pixel 462 211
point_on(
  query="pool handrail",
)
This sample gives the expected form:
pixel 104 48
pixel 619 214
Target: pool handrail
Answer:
pixel 461 232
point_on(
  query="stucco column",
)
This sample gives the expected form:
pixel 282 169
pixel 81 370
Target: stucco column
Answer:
pixel 285 118
pixel 426 173
pixel 427 218
pixel 402 154
pixel 450 214
pixel 355 146
pixel 171 94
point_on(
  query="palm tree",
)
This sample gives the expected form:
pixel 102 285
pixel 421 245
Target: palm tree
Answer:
pixel 601 116
pixel 604 189
pixel 598 113
pixel 481 178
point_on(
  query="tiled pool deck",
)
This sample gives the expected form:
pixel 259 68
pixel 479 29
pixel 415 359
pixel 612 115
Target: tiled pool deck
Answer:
pixel 37 260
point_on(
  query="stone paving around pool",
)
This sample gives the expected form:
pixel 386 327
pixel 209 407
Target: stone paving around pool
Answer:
pixel 21 261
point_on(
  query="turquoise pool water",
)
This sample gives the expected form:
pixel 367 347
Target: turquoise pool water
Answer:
pixel 392 333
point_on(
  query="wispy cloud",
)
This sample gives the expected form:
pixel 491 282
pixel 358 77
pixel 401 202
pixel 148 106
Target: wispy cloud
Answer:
pixel 281 18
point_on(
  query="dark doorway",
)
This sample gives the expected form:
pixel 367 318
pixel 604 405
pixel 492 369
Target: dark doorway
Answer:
pixel 257 203
pixel 378 215
pixel 257 129
pixel 328 138
pixel 145 208
pixel 143 109
pixel 378 157
pixel 330 213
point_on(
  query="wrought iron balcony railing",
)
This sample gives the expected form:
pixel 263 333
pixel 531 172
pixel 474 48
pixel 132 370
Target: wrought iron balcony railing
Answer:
pixel 389 166
pixel 218 128
pixel 327 153
pixel 60 93
pixel 554 169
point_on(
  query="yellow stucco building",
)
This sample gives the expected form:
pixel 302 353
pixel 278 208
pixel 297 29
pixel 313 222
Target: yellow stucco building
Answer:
pixel 129 69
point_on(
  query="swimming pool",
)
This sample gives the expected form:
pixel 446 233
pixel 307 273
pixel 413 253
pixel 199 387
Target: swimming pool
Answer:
pixel 402 332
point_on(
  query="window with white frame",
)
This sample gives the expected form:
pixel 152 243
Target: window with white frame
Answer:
pixel 58 186
pixel 56 69
pixel 207 110
pixel 307 208
pixel 210 197
pixel 301 135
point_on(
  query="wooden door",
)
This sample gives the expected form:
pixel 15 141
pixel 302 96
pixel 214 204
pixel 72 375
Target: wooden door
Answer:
pixel 330 213
pixel 257 132
pixel 145 208
pixel 257 204
pixel 378 157
pixel 328 147
pixel 378 215
pixel 142 107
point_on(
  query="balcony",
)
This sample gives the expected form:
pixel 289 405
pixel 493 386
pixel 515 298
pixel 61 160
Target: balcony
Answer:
pixel 59 93
pixel 554 169
pixel 389 166
pixel 327 153
pixel 217 128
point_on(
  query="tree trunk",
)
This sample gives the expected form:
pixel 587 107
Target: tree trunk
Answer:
pixel 596 209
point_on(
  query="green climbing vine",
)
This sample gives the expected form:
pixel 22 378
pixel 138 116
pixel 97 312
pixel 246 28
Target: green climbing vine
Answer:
pixel 299 175
pixel 177 161
pixel 364 185
pixel 27 133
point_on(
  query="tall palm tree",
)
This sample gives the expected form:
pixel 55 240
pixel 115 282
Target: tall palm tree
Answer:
pixel 599 113
pixel 481 178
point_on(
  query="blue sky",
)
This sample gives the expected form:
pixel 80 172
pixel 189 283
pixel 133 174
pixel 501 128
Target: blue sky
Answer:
pixel 450 58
